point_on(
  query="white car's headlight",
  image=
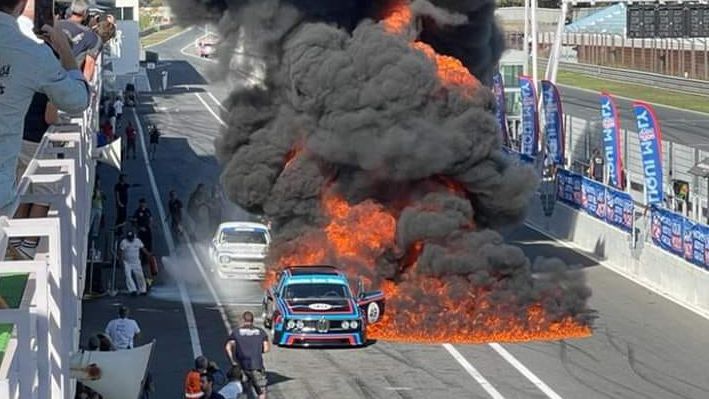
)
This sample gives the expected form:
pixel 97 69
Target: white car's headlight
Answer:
pixel 354 324
pixel 224 259
pixel 345 324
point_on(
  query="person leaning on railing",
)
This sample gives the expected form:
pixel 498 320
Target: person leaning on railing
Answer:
pixel 26 68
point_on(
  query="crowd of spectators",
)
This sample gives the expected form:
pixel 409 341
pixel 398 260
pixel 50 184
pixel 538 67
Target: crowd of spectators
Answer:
pixel 45 78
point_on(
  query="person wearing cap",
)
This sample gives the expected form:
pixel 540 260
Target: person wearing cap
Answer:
pixel 130 249
pixel 122 330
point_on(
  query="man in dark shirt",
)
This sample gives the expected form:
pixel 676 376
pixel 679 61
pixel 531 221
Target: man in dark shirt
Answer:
pixel 245 347
pixel 207 381
pixel 120 191
pixel 143 219
pixel 175 207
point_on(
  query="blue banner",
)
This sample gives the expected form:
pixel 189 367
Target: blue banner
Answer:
pixel 593 198
pixel 696 244
pixel 667 230
pixel 530 120
pixel 611 140
pixel 651 150
pixel 498 89
pixel 553 122
pixel 619 209
pixel 569 187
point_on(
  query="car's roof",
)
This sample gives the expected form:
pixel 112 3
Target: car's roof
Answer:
pixel 314 269
pixel 242 225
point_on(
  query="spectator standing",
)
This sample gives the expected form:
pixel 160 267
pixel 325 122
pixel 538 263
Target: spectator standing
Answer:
pixel 118 107
pixel 174 206
pixel 97 201
pixel 120 195
pixel 123 331
pixel 233 388
pixel 26 68
pixel 143 219
pixel 107 129
pixel 130 140
pixel 86 44
pixel 130 250
pixel 208 387
pixel 154 139
pixel 596 166
pixel 245 347
pixel 193 383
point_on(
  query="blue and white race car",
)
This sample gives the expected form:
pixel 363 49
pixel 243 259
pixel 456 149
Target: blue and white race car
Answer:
pixel 313 305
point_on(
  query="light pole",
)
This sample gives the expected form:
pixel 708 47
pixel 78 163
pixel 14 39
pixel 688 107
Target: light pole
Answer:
pixel 525 44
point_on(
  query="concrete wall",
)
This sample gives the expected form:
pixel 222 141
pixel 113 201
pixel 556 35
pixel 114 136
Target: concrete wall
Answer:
pixel 647 265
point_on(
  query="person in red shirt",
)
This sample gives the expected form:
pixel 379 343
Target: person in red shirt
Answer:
pixel 107 129
pixel 130 140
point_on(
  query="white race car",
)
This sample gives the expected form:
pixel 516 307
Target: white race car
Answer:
pixel 239 249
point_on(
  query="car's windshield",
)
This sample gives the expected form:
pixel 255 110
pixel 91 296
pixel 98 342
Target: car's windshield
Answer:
pixel 316 291
pixel 240 236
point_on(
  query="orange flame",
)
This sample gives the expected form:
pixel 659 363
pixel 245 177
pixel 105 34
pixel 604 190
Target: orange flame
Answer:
pixel 419 308
pixel 451 72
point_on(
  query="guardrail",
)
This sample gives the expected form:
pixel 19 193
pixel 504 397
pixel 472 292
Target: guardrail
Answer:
pixel 48 320
pixel 692 86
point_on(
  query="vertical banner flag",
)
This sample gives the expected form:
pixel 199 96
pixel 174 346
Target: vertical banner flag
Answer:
pixel 611 140
pixel 530 121
pixel 553 122
pixel 499 89
pixel 651 151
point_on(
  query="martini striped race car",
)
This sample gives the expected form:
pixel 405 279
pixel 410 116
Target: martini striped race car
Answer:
pixel 314 306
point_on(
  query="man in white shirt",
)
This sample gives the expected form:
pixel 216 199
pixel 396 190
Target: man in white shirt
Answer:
pixel 130 249
pixel 233 388
pixel 123 330
pixel 118 107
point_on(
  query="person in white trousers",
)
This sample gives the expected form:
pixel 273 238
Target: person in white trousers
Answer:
pixel 130 249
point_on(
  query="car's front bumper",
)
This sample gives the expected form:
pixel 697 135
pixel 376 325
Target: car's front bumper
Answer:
pixel 240 274
pixel 317 339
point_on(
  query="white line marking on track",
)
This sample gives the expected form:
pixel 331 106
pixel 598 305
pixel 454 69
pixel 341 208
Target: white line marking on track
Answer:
pixel 579 250
pixel 210 287
pixel 186 302
pixel 656 105
pixel 211 111
pixel 484 383
pixel 168 38
pixel 216 101
pixel 171 247
pixel 525 371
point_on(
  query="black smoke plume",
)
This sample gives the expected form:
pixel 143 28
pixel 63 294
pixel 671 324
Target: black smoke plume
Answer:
pixel 325 100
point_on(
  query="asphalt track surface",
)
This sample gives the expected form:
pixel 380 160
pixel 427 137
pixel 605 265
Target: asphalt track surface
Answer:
pixel 683 127
pixel 643 345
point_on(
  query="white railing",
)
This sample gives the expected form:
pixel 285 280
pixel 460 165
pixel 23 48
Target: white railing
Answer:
pixel 48 320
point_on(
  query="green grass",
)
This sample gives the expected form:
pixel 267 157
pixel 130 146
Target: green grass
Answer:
pixel 12 286
pixel 160 35
pixel 638 92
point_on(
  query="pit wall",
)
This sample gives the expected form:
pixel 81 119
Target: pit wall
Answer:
pixel 647 265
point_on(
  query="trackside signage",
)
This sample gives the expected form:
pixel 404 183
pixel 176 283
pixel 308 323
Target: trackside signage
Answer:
pixel 651 150
pixel 611 140
pixel 499 89
pixel 553 122
pixel 530 121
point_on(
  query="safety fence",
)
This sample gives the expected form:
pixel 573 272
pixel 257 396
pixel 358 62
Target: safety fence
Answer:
pixel 683 57
pixel 669 231
pixel 47 322
pixel 582 136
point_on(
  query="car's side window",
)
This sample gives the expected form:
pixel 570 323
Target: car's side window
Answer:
pixel 281 279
